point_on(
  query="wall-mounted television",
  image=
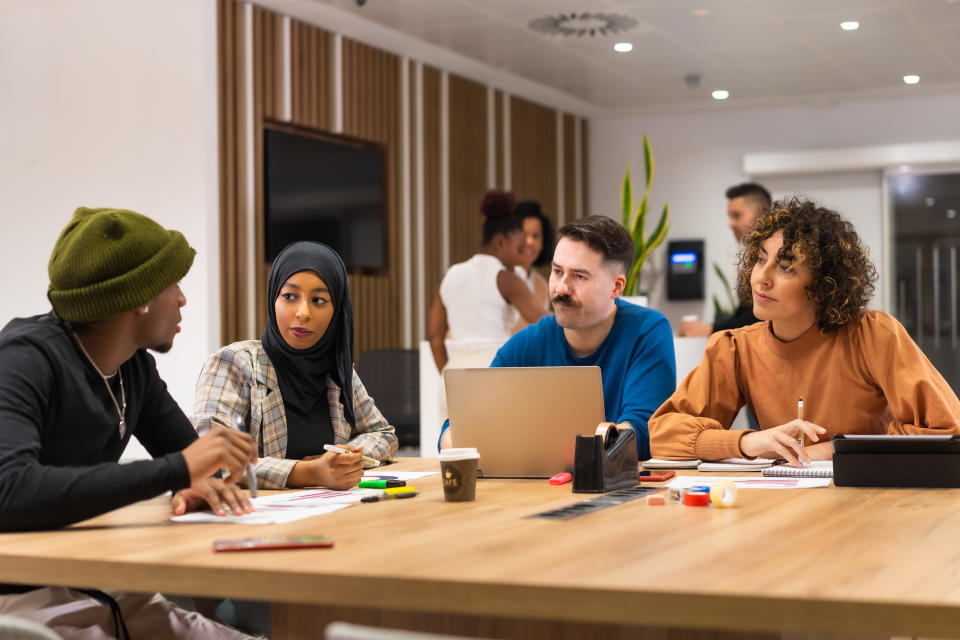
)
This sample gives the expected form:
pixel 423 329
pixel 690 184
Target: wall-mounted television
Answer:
pixel 326 189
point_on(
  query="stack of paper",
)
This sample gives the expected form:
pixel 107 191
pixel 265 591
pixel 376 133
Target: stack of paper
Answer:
pixel 656 463
pixel 736 465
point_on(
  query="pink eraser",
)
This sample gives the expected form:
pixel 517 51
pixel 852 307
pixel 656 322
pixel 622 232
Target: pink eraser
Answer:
pixel 561 478
pixel 656 500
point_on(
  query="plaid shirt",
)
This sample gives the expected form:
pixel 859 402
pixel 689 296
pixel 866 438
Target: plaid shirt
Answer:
pixel 239 380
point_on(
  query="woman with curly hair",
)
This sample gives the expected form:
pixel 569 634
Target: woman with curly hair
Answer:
pixel 857 370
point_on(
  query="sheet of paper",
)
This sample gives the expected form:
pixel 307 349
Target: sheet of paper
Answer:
pixel 385 473
pixel 751 482
pixel 285 507
pixel 263 515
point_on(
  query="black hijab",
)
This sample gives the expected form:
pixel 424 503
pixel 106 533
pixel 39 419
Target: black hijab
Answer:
pixel 300 372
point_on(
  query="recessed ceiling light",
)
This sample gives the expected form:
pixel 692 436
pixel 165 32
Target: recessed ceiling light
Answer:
pixel 951 213
pixel 721 94
pixel 929 201
pixel 850 25
pixel 911 79
pixel 623 47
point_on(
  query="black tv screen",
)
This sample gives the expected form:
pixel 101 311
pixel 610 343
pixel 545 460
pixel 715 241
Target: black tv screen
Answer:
pixel 327 191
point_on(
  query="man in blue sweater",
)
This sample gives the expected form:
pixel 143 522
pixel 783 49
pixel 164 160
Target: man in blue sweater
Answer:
pixel 592 326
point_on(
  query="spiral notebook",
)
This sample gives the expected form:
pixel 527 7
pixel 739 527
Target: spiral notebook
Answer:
pixel 816 469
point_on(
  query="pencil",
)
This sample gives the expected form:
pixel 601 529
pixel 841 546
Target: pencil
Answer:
pixel 334 448
pixel 800 417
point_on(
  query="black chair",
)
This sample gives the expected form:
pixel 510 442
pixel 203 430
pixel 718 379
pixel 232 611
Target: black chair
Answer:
pixel 392 378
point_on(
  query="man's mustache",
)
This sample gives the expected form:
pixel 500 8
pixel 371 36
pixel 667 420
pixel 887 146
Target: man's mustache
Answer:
pixel 565 300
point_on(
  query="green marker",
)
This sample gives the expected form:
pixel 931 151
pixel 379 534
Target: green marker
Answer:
pixel 381 484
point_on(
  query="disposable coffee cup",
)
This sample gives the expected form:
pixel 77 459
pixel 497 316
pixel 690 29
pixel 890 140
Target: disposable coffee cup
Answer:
pixel 458 473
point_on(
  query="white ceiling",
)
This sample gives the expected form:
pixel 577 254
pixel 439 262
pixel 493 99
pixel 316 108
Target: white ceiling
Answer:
pixel 762 51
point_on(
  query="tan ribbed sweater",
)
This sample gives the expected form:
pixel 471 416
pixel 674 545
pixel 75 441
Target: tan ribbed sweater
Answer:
pixel 868 377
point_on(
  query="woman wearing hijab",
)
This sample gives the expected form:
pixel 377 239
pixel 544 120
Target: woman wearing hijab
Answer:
pixel 295 389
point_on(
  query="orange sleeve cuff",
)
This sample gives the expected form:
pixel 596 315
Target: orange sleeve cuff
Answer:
pixel 717 444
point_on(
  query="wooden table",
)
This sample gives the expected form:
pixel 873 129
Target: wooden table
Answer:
pixel 829 561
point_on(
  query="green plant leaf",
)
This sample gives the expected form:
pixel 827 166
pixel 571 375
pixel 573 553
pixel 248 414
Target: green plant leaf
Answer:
pixel 648 161
pixel 660 233
pixel 639 245
pixel 626 198
pixel 726 286
pixel 717 309
pixel 633 278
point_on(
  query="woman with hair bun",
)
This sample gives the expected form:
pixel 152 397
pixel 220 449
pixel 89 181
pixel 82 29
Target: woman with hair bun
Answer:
pixel 857 370
pixel 478 300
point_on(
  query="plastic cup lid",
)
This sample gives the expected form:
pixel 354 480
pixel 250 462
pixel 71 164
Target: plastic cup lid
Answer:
pixel 461 453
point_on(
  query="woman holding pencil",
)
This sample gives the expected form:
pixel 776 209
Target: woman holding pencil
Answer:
pixel 295 388
pixel 818 364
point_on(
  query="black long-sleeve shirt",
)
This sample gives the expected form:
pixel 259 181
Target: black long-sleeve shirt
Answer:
pixel 59 436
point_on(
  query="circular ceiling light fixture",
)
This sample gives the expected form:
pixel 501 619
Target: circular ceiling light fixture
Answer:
pixel 623 47
pixel 583 24
pixel 911 79
pixel 721 94
pixel 850 25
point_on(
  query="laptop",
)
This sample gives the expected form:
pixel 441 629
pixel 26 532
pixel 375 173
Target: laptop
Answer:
pixel 523 420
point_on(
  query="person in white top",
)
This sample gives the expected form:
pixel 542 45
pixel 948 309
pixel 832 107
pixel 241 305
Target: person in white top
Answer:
pixel 537 251
pixel 478 300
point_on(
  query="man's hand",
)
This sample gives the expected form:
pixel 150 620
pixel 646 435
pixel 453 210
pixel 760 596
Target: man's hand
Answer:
pixel 219 448
pixel 213 492
pixel 781 442
pixel 694 329
pixel 332 470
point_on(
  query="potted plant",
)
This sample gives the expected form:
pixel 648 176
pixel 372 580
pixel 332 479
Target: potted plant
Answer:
pixel 720 311
pixel 635 220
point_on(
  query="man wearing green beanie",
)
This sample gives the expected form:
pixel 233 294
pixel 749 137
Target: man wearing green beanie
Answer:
pixel 76 384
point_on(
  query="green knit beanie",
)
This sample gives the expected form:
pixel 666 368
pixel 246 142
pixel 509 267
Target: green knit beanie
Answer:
pixel 108 261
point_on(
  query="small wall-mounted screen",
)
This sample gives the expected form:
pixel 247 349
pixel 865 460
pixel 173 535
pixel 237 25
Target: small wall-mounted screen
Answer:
pixel 327 191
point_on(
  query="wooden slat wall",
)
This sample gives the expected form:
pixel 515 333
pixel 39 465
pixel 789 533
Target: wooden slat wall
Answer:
pixel 533 147
pixel 371 98
pixel 311 64
pixel 433 210
pixel 584 195
pixel 228 99
pixel 468 165
pixel 498 139
pixel 371 113
pixel 569 168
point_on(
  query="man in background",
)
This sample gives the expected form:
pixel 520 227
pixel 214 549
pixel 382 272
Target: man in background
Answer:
pixel 744 203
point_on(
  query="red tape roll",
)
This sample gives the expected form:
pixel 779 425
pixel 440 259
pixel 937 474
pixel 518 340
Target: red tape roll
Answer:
pixel 696 499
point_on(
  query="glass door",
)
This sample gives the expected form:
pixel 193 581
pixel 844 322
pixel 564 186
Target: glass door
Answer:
pixel 926 248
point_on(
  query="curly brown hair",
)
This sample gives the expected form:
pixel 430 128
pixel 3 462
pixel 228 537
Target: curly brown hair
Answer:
pixel 843 274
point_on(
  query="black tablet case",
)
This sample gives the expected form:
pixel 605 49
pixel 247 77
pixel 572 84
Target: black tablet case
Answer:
pixel 897 461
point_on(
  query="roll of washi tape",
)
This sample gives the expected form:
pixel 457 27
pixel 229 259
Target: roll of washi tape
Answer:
pixel 723 494
pixel 696 499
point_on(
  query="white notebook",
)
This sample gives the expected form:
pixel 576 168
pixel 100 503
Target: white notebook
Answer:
pixel 736 465
pixel 816 469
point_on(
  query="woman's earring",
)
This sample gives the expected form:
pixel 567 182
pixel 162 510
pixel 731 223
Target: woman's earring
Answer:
pixel 146 309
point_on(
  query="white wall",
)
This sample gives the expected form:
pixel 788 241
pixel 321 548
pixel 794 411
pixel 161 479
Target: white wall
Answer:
pixel 110 103
pixel 698 155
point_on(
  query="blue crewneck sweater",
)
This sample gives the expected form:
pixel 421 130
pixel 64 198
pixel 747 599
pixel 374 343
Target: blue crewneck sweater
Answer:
pixel 636 360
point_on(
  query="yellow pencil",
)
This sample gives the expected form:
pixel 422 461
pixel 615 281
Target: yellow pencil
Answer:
pixel 800 417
